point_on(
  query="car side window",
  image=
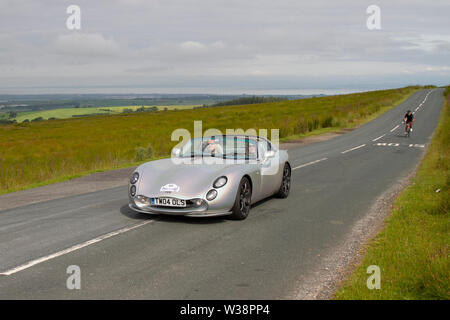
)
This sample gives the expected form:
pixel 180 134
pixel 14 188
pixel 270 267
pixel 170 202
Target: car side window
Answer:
pixel 262 148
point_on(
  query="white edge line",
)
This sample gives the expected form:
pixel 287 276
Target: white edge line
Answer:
pixel 395 127
pixel 71 249
pixel 363 145
pixel 379 137
pixel 309 163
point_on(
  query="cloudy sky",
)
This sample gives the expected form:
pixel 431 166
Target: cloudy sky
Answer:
pixel 221 46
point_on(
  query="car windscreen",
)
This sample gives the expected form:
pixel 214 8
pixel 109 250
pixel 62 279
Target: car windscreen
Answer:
pixel 224 147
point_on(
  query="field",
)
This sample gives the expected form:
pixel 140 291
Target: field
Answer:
pixel 160 108
pixel 64 113
pixel 49 151
pixel 413 249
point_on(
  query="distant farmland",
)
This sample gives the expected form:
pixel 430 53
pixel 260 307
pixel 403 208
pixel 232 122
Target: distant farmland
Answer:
pixel 64 113
pixel 49 151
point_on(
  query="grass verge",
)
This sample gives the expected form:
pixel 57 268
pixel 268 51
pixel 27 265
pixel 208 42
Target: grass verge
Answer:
pixel 413 249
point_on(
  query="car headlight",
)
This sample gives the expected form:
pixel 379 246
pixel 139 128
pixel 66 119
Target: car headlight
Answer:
pixel 142 201
pixel 211 195
pixel 133 190
pixel 134 178
pixel 220 182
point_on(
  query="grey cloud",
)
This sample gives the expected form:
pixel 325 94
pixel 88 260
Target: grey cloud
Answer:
pixel 227 43
pixel 91 44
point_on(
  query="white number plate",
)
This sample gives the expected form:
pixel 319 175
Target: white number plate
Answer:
pixel 169 202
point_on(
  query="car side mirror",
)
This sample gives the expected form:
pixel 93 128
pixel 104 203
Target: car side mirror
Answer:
pixel 176 152
pixel 269 154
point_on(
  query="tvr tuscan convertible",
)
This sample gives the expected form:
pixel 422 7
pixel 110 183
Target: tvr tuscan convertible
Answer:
pixel 211 176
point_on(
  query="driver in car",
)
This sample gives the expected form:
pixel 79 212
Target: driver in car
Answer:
pixel 251 153
pixel 212 147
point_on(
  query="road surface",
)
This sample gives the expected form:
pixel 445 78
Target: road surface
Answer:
pixel 127 255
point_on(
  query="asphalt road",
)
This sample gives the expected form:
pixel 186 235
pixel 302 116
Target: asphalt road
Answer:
pixel 124 255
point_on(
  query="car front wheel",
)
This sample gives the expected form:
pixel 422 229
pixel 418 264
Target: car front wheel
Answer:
pixel 285 182
pixel 242 203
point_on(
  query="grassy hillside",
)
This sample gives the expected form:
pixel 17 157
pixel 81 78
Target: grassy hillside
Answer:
pixel 49 151
pixel 413 249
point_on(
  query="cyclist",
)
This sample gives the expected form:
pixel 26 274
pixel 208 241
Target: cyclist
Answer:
pixel 408 119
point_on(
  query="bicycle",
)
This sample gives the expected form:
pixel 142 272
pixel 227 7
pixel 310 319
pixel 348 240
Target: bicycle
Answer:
pixel 408 129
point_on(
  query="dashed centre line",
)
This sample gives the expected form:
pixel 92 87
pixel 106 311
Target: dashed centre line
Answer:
pixel 363 145
pixel 393 129
pixel 379 137
pixel 309 163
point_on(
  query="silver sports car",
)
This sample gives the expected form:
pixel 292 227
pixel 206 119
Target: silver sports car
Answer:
pixel 217 175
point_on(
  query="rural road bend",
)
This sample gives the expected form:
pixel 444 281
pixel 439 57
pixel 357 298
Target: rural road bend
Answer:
pixel 127 255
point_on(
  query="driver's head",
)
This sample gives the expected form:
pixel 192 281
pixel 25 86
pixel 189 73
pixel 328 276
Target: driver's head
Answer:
pixel 212 144
pixel 251 151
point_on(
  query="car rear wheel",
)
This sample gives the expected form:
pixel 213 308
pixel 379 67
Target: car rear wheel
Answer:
pixel 242 203
pixel 285 182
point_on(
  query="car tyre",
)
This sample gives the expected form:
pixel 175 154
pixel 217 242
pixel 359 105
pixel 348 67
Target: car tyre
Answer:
pixel 285 187
pixel 242 204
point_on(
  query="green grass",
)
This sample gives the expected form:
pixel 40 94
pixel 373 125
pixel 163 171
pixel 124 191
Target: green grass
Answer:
pixel 413 249
pixel 160 108
pixel 40 152
pixel 62 113
pixel 65 113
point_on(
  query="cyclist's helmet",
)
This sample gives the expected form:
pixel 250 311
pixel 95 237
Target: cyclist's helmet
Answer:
pixel 408 111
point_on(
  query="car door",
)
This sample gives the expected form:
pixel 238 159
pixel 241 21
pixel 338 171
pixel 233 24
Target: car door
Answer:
pixel 270 172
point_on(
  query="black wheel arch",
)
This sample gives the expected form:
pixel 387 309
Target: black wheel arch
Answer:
pixel 249 179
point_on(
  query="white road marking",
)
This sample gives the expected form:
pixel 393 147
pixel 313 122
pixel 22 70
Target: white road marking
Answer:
pixel 379 137
pixel 395 127
pixel 363 145
pixel 417 145
pixel 71 249
pixel 395 144
pixel 309 163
